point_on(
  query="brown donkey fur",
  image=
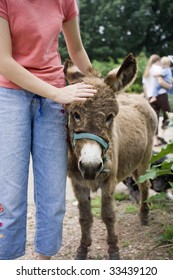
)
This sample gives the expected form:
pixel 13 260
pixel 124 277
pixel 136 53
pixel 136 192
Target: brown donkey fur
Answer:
pixel 127 124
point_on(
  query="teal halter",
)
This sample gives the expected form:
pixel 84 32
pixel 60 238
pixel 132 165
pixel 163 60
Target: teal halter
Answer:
pixel 98 139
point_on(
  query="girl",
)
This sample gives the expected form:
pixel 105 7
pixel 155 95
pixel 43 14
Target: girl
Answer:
pixel 32 119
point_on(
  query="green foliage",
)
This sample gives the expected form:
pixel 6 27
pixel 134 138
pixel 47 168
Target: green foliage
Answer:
pixel 96 206
pixel 112 29
pixel 166 167
pixel 120 196
pixel 96 203
pixel 126 244
pixel 158 197
pixel 167 235
pixel 117 27
pixel 135 88
pixel 159 201
pixel 166 150
pixel 99 257
pixel 62 48
pixel 131 209
pixel 105 67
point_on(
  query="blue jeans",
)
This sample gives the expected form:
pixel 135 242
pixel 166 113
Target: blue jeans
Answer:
pixel 29 125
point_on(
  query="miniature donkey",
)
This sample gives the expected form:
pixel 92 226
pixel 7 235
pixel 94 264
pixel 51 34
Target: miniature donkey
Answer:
pixel 111 137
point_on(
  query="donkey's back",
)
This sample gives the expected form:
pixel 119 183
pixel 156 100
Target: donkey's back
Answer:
pixel 134 129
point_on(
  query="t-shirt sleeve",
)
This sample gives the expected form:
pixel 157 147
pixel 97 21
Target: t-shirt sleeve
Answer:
pixel 3 9
pixel 71 10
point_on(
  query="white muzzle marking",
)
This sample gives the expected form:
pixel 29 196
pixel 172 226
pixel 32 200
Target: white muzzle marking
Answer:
pixel 90 161
pixel 91 153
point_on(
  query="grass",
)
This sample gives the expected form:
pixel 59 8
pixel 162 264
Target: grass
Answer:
pixel 99 257
pixel 131 209
pixel 96 203
pixel 120 196
pixel 96 207
pixel 126 244
pixel 166 236
pixel 159 201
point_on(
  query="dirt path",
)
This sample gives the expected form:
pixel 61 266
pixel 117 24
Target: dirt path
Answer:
pixel 135 242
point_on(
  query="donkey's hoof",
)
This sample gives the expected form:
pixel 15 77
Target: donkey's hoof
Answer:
pixel 114 256
pixel 81 253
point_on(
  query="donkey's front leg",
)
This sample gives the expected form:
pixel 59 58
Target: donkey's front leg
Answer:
pixel 85 219
pixel 108 216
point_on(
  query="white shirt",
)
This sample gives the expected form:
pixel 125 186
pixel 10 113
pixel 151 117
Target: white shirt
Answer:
pixel 149 81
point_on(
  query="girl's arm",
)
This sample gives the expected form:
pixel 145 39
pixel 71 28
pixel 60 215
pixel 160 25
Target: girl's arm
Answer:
pixel 17 74
pixel 74 45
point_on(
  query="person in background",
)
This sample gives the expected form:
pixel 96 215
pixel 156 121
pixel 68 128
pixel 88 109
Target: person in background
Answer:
pixel 159 100
pixel 151 70
pixel 33 120
pixel 166 74
pixel 151 73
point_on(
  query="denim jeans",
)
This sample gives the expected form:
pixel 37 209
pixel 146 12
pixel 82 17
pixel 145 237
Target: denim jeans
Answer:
pixel 35 126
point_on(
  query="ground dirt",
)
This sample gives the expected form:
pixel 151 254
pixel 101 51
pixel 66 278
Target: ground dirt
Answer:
pixel 136 242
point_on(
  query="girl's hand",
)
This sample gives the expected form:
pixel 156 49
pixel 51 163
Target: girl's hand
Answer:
pixel 75 92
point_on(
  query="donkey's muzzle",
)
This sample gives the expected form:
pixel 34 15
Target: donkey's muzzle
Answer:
pixel 90 171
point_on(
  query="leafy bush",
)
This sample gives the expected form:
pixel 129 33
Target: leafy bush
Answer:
pixel 166 167
pixel 105 67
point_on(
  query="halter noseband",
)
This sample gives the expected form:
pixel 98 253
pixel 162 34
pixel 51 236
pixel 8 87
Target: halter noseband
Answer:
pixel 83 135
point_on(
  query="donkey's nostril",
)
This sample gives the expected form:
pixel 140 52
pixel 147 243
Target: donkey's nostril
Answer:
pixel 90 169
pixel 99 167
pixel 81 166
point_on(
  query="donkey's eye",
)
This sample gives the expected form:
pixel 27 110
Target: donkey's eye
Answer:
pixel 109 119
pixel 76 116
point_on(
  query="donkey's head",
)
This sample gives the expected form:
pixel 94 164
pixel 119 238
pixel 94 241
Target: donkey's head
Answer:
pixel 91 122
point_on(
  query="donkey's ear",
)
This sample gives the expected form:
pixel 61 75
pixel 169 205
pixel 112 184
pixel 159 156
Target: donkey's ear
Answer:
pixel 123 76
pixel 72 73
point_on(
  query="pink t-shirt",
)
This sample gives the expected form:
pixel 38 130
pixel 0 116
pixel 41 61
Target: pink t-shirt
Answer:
pixel 35 26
